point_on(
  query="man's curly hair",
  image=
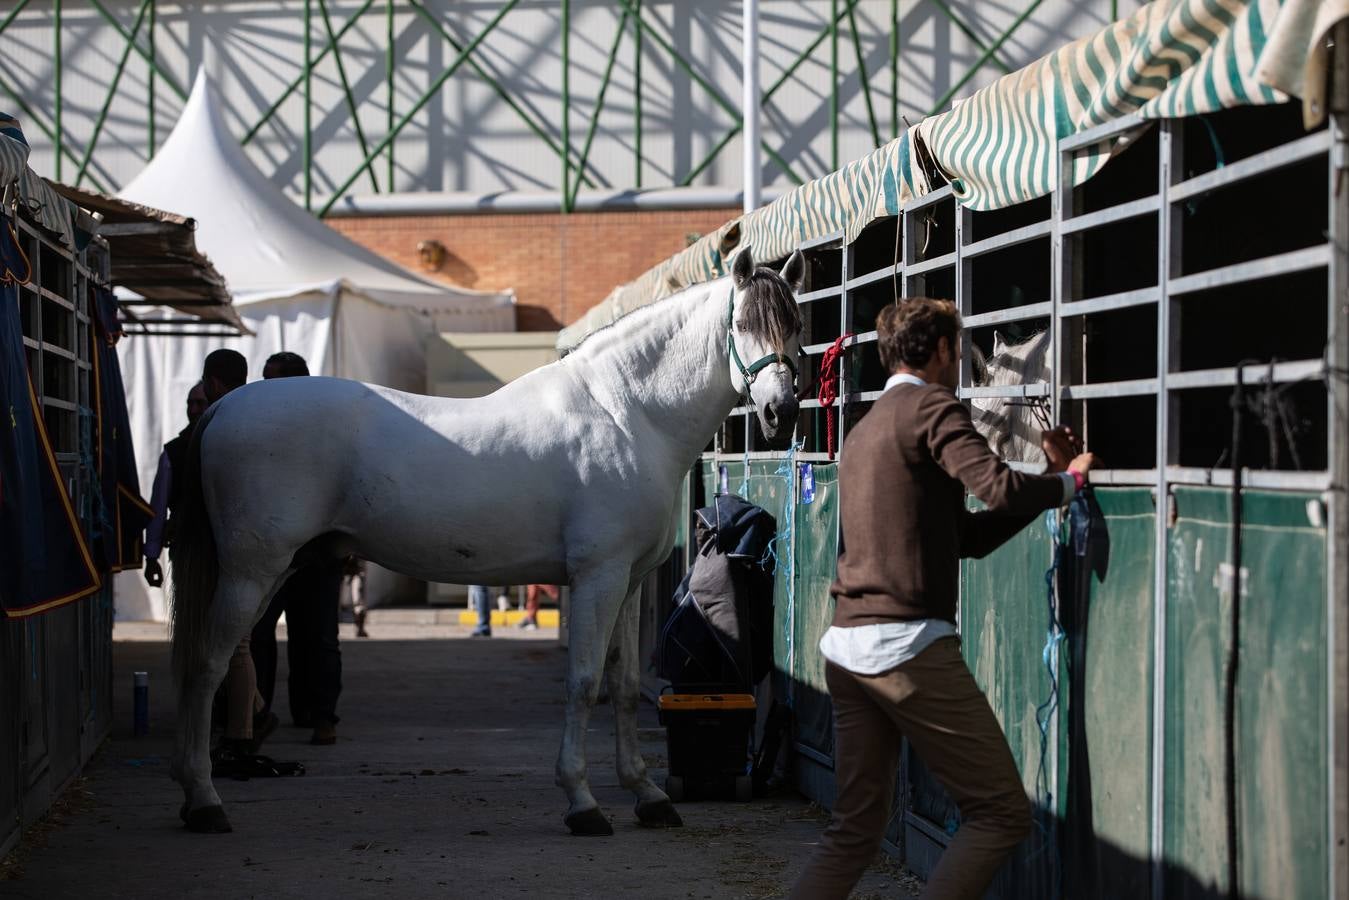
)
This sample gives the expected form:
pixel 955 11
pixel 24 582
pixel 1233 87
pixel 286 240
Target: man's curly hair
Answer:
pixel 907 332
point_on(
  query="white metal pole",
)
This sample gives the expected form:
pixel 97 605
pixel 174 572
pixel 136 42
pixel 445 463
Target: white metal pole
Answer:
pixel 750 105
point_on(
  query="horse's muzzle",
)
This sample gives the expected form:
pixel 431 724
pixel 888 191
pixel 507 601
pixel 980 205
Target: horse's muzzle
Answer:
pixel 777 420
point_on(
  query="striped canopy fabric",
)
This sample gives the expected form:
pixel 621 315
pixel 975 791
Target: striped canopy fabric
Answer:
pixel 46 207
pixel 1171 58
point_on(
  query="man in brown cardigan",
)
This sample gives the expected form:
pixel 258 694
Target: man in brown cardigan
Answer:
pixel 893 662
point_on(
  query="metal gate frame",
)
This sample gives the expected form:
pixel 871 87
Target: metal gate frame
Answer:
pixel 1169 293
pixel 57 666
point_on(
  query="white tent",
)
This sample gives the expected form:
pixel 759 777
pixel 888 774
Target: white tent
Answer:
pixel 297 284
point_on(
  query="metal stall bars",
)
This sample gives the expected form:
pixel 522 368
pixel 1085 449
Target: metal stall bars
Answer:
pixel 1184 385
pixel 63 658
pixel 1124 333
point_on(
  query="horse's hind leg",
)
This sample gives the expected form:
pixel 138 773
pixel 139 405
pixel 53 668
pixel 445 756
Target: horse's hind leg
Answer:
pixel 622 666
pixel 595 600
pixel 233 611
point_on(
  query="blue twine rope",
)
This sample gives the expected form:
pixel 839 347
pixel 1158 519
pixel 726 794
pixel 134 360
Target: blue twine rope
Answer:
pixel 785 534
pixel 1045 712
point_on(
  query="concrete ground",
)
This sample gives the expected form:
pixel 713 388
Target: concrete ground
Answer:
pixel 441 784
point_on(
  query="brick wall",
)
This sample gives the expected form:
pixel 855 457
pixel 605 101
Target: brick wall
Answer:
pixel 559 266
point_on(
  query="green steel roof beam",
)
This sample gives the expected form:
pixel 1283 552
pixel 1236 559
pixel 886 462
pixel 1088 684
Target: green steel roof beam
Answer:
pixel 862 76
pixel 833 85
pixel 707 86
pixel 984 57
pixel 346 89
pixel 786 75
pixel 425 98
pixel 168 79
pixel 308 109
pixel 112 92
pixel 57 58
pixel 711 155
pixel 637 97
pixel 894 69
pixel 14 13
pixel 150 88
pixel 599 105
pixel 298 81
pixel 495 85
pixel 566 101
pixel 389 47
pixel 33 116
pixel 969 33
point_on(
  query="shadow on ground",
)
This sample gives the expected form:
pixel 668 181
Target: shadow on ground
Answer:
pixel 441 784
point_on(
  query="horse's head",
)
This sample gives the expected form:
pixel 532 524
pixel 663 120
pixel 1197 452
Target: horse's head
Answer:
pixel 764 340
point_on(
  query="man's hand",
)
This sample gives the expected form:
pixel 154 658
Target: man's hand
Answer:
pixel 1082 463
pixel 153 573
pixel 1060 446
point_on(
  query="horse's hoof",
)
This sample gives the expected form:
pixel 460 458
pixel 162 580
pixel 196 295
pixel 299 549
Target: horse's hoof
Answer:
pixel 207 820
pixel 658 814
pixel 589 823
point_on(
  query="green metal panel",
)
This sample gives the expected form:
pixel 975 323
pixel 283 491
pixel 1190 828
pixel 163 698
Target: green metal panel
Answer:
pixel 1106 716
pixel 802 614
pixel 1003 621
pixel 1281 697
pixel 1004 626
pixel 816 544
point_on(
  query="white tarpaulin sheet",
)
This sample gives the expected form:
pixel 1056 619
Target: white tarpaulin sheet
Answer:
pixel 299 285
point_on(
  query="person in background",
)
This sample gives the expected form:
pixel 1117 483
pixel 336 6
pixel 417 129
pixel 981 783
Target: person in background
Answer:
pixel 222 372
pixel 163 496
pixel 311 600
pixel 354 570
pixel 531 620
pixel 892 657
pixel 480 598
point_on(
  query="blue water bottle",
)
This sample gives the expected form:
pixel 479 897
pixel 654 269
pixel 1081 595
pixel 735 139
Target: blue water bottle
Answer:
pixel 141 704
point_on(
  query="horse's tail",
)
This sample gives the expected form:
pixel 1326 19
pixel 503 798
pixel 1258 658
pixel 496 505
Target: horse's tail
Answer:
pixel 195 564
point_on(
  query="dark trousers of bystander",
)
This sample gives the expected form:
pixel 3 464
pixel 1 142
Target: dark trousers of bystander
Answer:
pixel 934 701
pixel 311 601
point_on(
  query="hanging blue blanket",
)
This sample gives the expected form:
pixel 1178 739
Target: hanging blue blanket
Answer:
pixel 44 558
pixel 123 514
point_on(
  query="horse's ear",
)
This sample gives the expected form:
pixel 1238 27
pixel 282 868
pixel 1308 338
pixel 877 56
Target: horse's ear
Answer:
pixel 794 273
pixel 999 344
pixel 742 268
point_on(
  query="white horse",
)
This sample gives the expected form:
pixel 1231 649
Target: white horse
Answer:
pixel 567 475
pixel 1013 426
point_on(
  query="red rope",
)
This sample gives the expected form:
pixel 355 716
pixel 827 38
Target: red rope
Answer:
pixel 829 386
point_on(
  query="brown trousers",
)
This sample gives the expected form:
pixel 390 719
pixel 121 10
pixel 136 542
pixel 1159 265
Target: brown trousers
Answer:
pixel 933 701
pixel 241 687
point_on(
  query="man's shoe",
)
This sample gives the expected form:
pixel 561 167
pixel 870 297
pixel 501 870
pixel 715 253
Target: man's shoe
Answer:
pixel 528 625
pixel 481 631
pixel 360 625
pixel 325 734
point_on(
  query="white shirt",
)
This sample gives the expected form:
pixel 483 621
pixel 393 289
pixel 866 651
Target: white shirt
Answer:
pixel 872 649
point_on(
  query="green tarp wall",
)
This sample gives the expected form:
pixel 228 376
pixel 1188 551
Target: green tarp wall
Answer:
pixel 1094 835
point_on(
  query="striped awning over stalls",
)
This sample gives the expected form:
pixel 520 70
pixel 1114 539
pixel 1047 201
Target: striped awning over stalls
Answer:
pixel 1170 58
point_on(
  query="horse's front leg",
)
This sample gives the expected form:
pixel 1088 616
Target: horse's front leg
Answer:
pixel 595 599
pixel 625 683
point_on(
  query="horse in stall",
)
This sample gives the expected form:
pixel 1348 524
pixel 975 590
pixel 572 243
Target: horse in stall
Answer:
pixel 567 475
pixel 1011 425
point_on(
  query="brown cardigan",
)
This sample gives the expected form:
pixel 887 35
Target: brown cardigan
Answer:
pixel 902 482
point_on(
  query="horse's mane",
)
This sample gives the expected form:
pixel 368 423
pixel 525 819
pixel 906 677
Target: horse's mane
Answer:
pixel 1011 426
pixel 1017 361
pixel 769 312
